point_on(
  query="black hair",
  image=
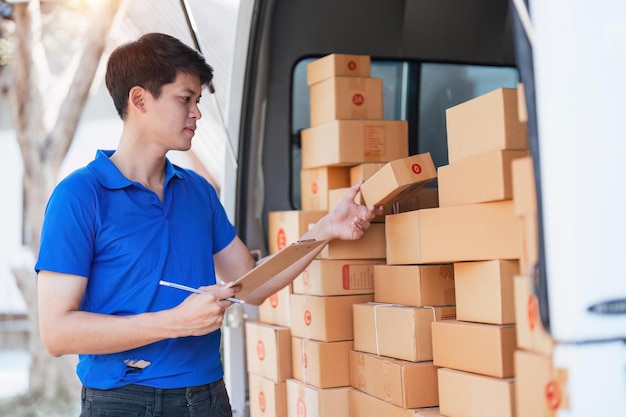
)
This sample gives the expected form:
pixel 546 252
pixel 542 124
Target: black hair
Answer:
pixel 153 60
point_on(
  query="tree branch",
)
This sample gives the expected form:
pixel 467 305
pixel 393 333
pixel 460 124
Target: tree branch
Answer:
pixel 26 95
pixel 59 140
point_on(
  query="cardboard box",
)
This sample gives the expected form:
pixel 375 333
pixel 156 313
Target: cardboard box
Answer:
pixel 472 232
pixel 276 309
pixel 370 246
pixel 364 171
pixel 485 349
pixel 337 194
pixel 399 332
pixel 398 178
pixel 268 350
pixel 338 65
pixel 470 395
pixel 402 383
pixel 484 291
pixel 414 285
pixel 529 229
pixel 337 277
pixel 306 400
pixel 426 197
pixel 486 123
pixel 531 335
pixel 267 398
pixel 540 389
pixel 315 183
pixel 365 405
pixel 478 179
pixel 423 198
pixel 346 98
pixel 524 191
pixel 327 319
pixel 321 364
pixel 286 227
pixel 352 142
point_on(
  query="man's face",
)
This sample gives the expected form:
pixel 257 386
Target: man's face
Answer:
pixel 171 119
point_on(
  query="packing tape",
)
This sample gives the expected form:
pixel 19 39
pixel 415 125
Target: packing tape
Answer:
pixel 376 324
pixel 434 312
pixel 303 360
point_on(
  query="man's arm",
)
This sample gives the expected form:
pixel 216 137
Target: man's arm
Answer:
pixel 234 261
pixel 64 329
pixel 347 221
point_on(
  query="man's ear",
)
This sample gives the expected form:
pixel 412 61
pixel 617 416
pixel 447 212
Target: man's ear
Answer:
pixel 136 98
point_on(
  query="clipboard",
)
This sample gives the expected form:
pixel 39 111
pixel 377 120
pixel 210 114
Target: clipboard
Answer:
pixel 278 271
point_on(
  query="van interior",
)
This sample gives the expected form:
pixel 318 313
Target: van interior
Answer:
pixel 431 56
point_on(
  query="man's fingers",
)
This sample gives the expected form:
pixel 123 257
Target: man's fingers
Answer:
pixel 351 194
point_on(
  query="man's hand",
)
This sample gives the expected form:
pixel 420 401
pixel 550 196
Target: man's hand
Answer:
pixel 346 221
pixel 200 314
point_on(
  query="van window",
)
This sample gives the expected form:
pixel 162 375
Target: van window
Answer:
pixel 418 92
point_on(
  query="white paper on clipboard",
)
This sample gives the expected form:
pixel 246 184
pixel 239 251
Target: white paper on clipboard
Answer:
pixel 278 271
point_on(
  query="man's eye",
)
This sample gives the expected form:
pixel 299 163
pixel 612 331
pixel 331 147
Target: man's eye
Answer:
pixel 186 99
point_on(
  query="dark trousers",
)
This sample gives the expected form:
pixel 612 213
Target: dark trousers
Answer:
pixel 139 401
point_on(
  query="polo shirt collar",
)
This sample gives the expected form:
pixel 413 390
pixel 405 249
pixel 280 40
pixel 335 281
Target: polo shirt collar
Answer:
pixel 109 176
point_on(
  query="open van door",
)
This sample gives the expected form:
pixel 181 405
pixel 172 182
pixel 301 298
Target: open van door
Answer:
pixel 572 58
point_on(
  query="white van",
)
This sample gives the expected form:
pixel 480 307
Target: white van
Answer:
pixel 432 55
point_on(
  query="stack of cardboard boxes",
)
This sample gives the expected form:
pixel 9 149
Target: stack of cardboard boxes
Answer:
pixel 538 385
pixel 347 130
pixel 268 340
pixel 268 355
pixel 479 234
pixel 344 98
pixel 391 366
pixel 418 317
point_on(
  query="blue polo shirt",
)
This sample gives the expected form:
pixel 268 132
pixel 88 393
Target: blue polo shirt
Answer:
pixel 118 234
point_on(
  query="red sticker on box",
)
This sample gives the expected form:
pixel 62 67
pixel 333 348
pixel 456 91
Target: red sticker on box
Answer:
pixel 531 307
pixel 314 188
pixel 305 360
pixel 305 277
pixel 301 407
pixel 307 318
pixel 274 300
pixel 345 270
pixel 416 168
pixel 262 403
pixel 260 350
pixel 358 99
pixel 351 65
pixel 553 395
pixel 357 277
pixel 281 239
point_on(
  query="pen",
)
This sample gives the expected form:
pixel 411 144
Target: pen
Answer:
pixel 197 291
